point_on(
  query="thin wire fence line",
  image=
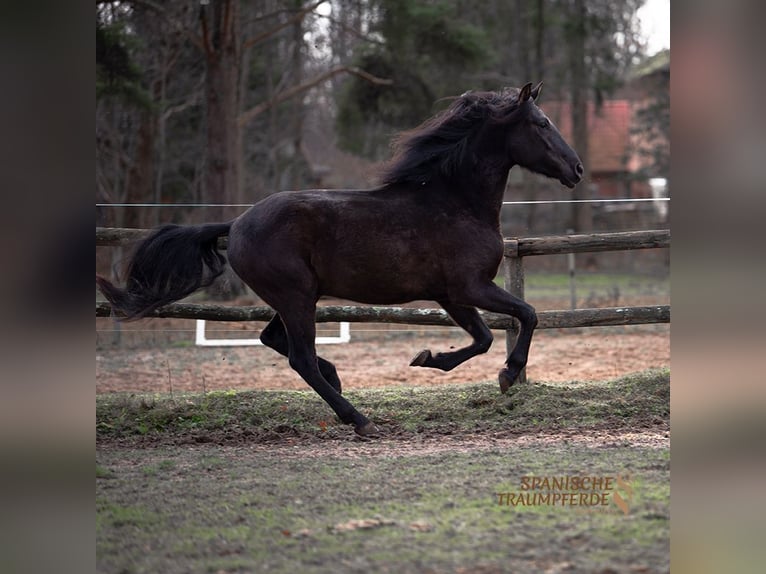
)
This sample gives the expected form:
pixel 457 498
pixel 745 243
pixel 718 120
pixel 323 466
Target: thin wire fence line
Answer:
pixel 452 330
pixel 256 330
pixel 522 202
pixel 254 333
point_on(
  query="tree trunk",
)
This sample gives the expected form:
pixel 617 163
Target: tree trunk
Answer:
pixel 140 179
pixel 220 33
pixel 297 161
pixel 522 39
pixel 582 215
pixel 539 41
pixel 537 75
pixel 221 41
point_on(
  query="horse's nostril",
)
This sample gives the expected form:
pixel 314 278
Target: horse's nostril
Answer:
pixel 579 170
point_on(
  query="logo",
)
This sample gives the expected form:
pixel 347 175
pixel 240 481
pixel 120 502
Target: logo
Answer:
pixel 582 493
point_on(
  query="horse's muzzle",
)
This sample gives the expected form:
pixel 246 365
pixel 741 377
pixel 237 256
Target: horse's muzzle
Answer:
pixel 578 172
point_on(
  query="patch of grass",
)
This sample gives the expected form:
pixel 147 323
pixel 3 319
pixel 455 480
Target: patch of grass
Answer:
pixel 102 472
pixel 181 344
pixel 553 290
pixel 162 467
pixel 627 283
pixel 281 513
pixel 636 400
pixel 119 516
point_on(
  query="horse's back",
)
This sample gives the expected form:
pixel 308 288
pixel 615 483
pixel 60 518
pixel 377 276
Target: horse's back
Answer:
pixel 371 246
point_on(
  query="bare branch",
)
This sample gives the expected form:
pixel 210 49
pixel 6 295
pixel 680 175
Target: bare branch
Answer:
pixel 178 108
pixel 207 46
pixel 246 117
pixel 353 31
pixel 228 20
pixel 287 23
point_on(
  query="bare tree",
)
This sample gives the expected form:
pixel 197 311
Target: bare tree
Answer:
pixel 221 45
pixel 582 218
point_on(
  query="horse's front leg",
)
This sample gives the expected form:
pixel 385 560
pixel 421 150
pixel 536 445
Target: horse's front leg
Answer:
pixel 469 319
pixel 490 297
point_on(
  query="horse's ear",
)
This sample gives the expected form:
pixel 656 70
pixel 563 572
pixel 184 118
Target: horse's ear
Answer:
pixel 525 92
pixel 536 91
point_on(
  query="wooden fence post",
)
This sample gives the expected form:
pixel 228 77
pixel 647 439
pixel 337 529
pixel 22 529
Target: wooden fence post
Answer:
pixel 513 271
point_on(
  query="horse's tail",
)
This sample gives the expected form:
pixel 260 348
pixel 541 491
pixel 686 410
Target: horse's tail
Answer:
pixel 171 263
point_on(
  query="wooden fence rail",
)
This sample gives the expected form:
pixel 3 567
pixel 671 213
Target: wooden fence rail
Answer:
pixel 335 313
pixel 514 250
pixel 520 247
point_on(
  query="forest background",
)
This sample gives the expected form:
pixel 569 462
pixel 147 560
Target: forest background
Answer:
pixel 225 102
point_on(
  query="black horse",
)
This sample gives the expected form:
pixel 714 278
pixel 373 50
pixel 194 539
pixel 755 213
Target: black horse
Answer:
pixel 430 231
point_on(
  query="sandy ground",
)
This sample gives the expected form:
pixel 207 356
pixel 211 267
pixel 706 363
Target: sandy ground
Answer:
pixel 377 356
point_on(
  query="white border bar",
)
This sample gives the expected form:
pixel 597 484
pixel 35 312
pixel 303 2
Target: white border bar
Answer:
pixel 201 339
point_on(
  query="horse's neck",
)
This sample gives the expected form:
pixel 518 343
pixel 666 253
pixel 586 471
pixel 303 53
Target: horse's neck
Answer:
pixel 487 200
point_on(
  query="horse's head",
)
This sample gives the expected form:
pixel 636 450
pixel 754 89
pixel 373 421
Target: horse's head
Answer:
pixel 537 145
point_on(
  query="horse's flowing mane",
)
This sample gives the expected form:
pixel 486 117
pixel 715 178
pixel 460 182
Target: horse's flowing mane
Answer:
pixel 440 144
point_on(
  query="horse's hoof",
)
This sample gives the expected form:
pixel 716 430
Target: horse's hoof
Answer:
pixel 505 380
pixel 368 430
pixel 421 358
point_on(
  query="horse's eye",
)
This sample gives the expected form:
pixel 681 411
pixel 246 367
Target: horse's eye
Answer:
pixel 546 123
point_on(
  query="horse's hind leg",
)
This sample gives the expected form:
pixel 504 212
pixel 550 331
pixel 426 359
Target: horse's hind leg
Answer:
pixel 275 337
pixel 469 319
pixel 301 332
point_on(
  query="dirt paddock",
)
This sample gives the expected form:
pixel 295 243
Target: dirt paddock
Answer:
pixel 159 355
pixel 427 503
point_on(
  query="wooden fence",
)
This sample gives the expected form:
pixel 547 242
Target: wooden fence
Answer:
pixel 515 252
